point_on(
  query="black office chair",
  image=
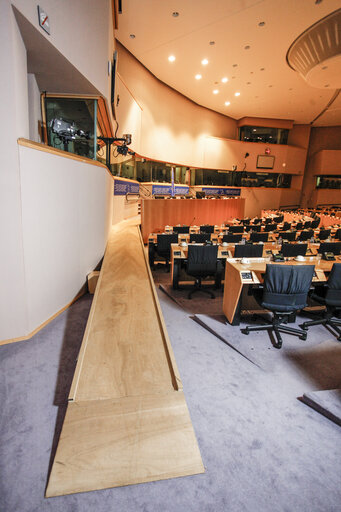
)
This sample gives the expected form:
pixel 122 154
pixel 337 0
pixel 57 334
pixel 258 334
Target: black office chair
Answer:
pixel 236 229
pixel 270 227
pixel 259 237
pixel 163 247
pixel 199 238
pixel 257 228
pixel 201 262
pixel 323 234
pixel 278 219
pixel 306 234
pixel 268 220
pixel 287 235
pixel 232 238
pixel 181 229
pixel 293 250
pixel 329 295
pixel 248 251
pixel 257 221
pixel 284 292
pixel 307 224
pixel 315 223
pixel 299 226
pixel 207 229
pixel 248 227
pixel 338 234
pixel 286 226
pixel 246 221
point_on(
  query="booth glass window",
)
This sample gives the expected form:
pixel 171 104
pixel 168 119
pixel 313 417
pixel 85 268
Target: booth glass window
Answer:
pixel 240 179
pixel 329 182
pixel 71 125
pixel 263 134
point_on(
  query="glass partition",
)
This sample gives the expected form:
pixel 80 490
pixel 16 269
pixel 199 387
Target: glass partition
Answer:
pixel 330 182
pixel 263 134
pixel 71 125
pixel 240 179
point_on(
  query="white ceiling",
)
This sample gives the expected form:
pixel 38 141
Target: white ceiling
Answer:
pixel 268 86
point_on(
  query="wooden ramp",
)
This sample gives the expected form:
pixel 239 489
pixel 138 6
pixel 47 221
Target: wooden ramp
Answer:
pixel 127 420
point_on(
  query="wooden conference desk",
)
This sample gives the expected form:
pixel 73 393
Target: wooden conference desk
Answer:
pixel 238 276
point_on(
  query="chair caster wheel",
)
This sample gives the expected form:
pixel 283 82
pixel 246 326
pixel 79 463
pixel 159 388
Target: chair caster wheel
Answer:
pixel 245 331
pixel 304 327
pixel 303 337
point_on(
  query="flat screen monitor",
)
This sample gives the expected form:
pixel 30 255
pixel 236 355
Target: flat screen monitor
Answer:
pixel 248 251
pixel 181 229
pixel 259 237
pixel 233 238
pixel 199 238
pixel 207 229
pixel 334 247
pixel 236 229
pixel 292 250
pixel 288 235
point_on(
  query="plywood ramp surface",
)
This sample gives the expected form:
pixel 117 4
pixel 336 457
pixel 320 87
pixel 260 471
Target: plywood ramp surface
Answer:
pixel 124 441
pixel 124 351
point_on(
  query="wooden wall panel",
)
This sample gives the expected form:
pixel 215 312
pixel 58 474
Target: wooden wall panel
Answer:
pixel 158 213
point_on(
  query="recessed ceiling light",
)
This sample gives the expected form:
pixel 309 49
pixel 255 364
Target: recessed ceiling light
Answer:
pixel 247 47
pixel 216 83
pixel 327 85
pixel 224 80
pixel 175 14
pixel 270 85
pixel 212 43
pixel 261 23
pixel 290 89
pixel 233 77
pixel 262 69
pixel 132 36
pixel 171 58
pixel 198 77
pixel 215 91
pixel 204 62
pixel 227 103
pixel 318 2
pixel 237 93
pixel 325 67
pixel 248 83
pixel 234 65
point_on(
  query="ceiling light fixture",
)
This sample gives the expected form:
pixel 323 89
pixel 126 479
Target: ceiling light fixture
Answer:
pixel 215 91
pixel 262 69
pixel 227 103
pixel 224 80
pixel 175 14
pixel 171 58
pixel 247 47
pixel 198 77
pixel 234 65
pixel 237 93
pixel 204 62
pixel 212 43
pixel 132 36
pixel 261 23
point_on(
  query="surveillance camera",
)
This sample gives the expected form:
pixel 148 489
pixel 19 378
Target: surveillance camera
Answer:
pixel 127 137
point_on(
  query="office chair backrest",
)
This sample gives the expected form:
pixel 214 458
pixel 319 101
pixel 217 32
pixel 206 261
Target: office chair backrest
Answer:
pixel 286 287
pixel 333 294
pixel 259 237
pixel 181 229
pixel 286 226
pixel 287 235
pixel 324 234
pixel 270 227
pixel 207 229
pixel 246 221
pixel 248 227
pixel 299 226
pixel 292 250
pixel 202 260
pixel 334 247
pixel 315 223
pixel 257 221
pixel 236 229
pixel 305 235
pixel 338 234
pixel 257 228
pixel 199 238
pixel 248 251
pixel 164 242
pixel 269 220
pixel 231 238
pixel 278 219
pixel 307 224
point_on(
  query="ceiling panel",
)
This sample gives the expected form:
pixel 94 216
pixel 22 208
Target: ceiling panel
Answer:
pixel 268 87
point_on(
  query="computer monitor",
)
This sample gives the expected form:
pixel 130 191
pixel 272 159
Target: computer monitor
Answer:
pixel 292 250
pixel 323 234
pixel 270 227
pixel 232 238
pixel 248 251
pixel 334 247
pixel 181 229
pixel 199 238
pixel 236 229
pixel 259 237
pixel 288 235
pixel 305 235
pixel 207 229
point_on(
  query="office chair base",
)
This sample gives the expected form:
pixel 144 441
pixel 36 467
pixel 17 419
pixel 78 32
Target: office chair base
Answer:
pixel 325 321
pixel 277 328
pixel 200 289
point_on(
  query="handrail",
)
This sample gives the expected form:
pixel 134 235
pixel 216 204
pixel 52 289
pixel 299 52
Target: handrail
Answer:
pixel 145 190
pixel 128 194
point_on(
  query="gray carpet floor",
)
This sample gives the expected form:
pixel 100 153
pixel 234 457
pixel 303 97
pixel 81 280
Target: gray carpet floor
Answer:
pixel 263 449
